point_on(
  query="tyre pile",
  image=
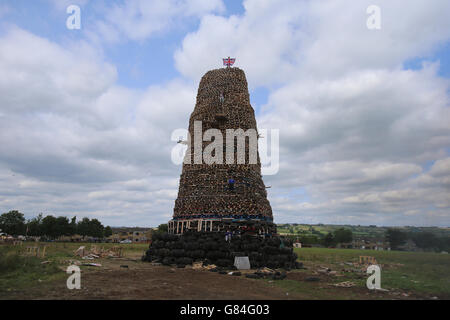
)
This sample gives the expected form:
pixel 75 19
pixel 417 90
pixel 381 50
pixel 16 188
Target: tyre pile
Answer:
pixel 211 248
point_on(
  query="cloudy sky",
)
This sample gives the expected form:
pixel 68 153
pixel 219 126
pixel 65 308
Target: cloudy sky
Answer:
pixel 86 115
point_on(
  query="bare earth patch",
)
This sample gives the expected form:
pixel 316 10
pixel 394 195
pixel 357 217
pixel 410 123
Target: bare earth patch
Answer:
pixel 140 280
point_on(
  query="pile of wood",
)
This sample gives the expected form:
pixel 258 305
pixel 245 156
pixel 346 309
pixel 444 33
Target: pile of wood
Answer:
pixel 95 252
pixel 223 102
pixel 212 248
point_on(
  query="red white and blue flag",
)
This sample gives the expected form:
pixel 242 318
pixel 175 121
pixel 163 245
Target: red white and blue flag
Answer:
pixel 228 61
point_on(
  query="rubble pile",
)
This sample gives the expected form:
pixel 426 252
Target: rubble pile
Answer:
pixel 94 252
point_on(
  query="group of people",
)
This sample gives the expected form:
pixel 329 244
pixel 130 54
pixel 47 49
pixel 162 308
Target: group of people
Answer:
pixel 245 229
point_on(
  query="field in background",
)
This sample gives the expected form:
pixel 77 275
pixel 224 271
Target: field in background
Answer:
pixel 365 232
pixel 407 275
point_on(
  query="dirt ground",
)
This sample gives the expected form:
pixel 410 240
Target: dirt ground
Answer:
pixel 133 279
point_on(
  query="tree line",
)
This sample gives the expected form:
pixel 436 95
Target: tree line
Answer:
pixel 424 240
pixel 14 223
pixel 341 235
pixel 397 238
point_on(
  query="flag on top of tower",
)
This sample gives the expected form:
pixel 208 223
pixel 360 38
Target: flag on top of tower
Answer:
pixel 228 61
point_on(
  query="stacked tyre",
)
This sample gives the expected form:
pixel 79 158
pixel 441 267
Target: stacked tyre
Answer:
pixel 212 248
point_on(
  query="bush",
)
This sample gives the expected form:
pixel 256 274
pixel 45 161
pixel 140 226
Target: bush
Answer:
pixel 12 261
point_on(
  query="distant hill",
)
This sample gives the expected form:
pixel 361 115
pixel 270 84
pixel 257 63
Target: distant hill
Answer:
pixel 359 232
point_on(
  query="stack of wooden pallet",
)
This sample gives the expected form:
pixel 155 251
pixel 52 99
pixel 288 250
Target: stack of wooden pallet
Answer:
pixel 223 103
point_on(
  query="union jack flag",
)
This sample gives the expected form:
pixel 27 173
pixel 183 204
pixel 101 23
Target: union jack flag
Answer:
pixel 228 61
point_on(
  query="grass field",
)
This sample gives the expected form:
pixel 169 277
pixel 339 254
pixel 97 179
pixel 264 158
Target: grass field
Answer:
pixel 420 272
pixel 19 270
pixel 405 274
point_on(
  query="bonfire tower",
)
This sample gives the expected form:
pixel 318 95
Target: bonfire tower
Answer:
pixel 222 197
pixel 222 212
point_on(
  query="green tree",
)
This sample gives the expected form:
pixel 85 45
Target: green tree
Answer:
pixel 73 226
pixel 49 227
pixel 328 240
pixel 91 228
pixel 96 229
pixel 108 232
pixel 426 240
pixel 13 223
pixel 343 235
pixel 62 227
pixel 163 227
pixel 83 227
pixel 34 226
pixel 395 237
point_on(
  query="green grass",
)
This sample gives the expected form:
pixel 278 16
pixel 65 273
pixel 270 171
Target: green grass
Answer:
pixel 425 273
pixel 19 271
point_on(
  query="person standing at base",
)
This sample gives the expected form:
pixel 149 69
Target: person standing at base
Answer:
pixel 231 184
pixel 228 236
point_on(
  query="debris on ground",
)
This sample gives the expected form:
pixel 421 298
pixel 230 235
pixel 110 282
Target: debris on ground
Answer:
pixel 80 251
pixel 345 284
pixel 328 271
pixel 72 262
pixel 210 266
pixel 312 279
pixel 197 265
pixel 90 257
pixel 92 264
pixel 367 260
pixel 95 253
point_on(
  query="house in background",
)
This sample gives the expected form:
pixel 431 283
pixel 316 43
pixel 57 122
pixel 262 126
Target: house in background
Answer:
pixel 141 235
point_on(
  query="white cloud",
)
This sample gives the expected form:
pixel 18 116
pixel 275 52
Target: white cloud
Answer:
pixel 38 75
pixel 74 142
pixel 138 20
pixel 280 41
pixel 356 129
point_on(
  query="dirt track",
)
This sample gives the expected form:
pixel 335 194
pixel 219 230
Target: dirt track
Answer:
pixel 145 281
pixel 156 282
